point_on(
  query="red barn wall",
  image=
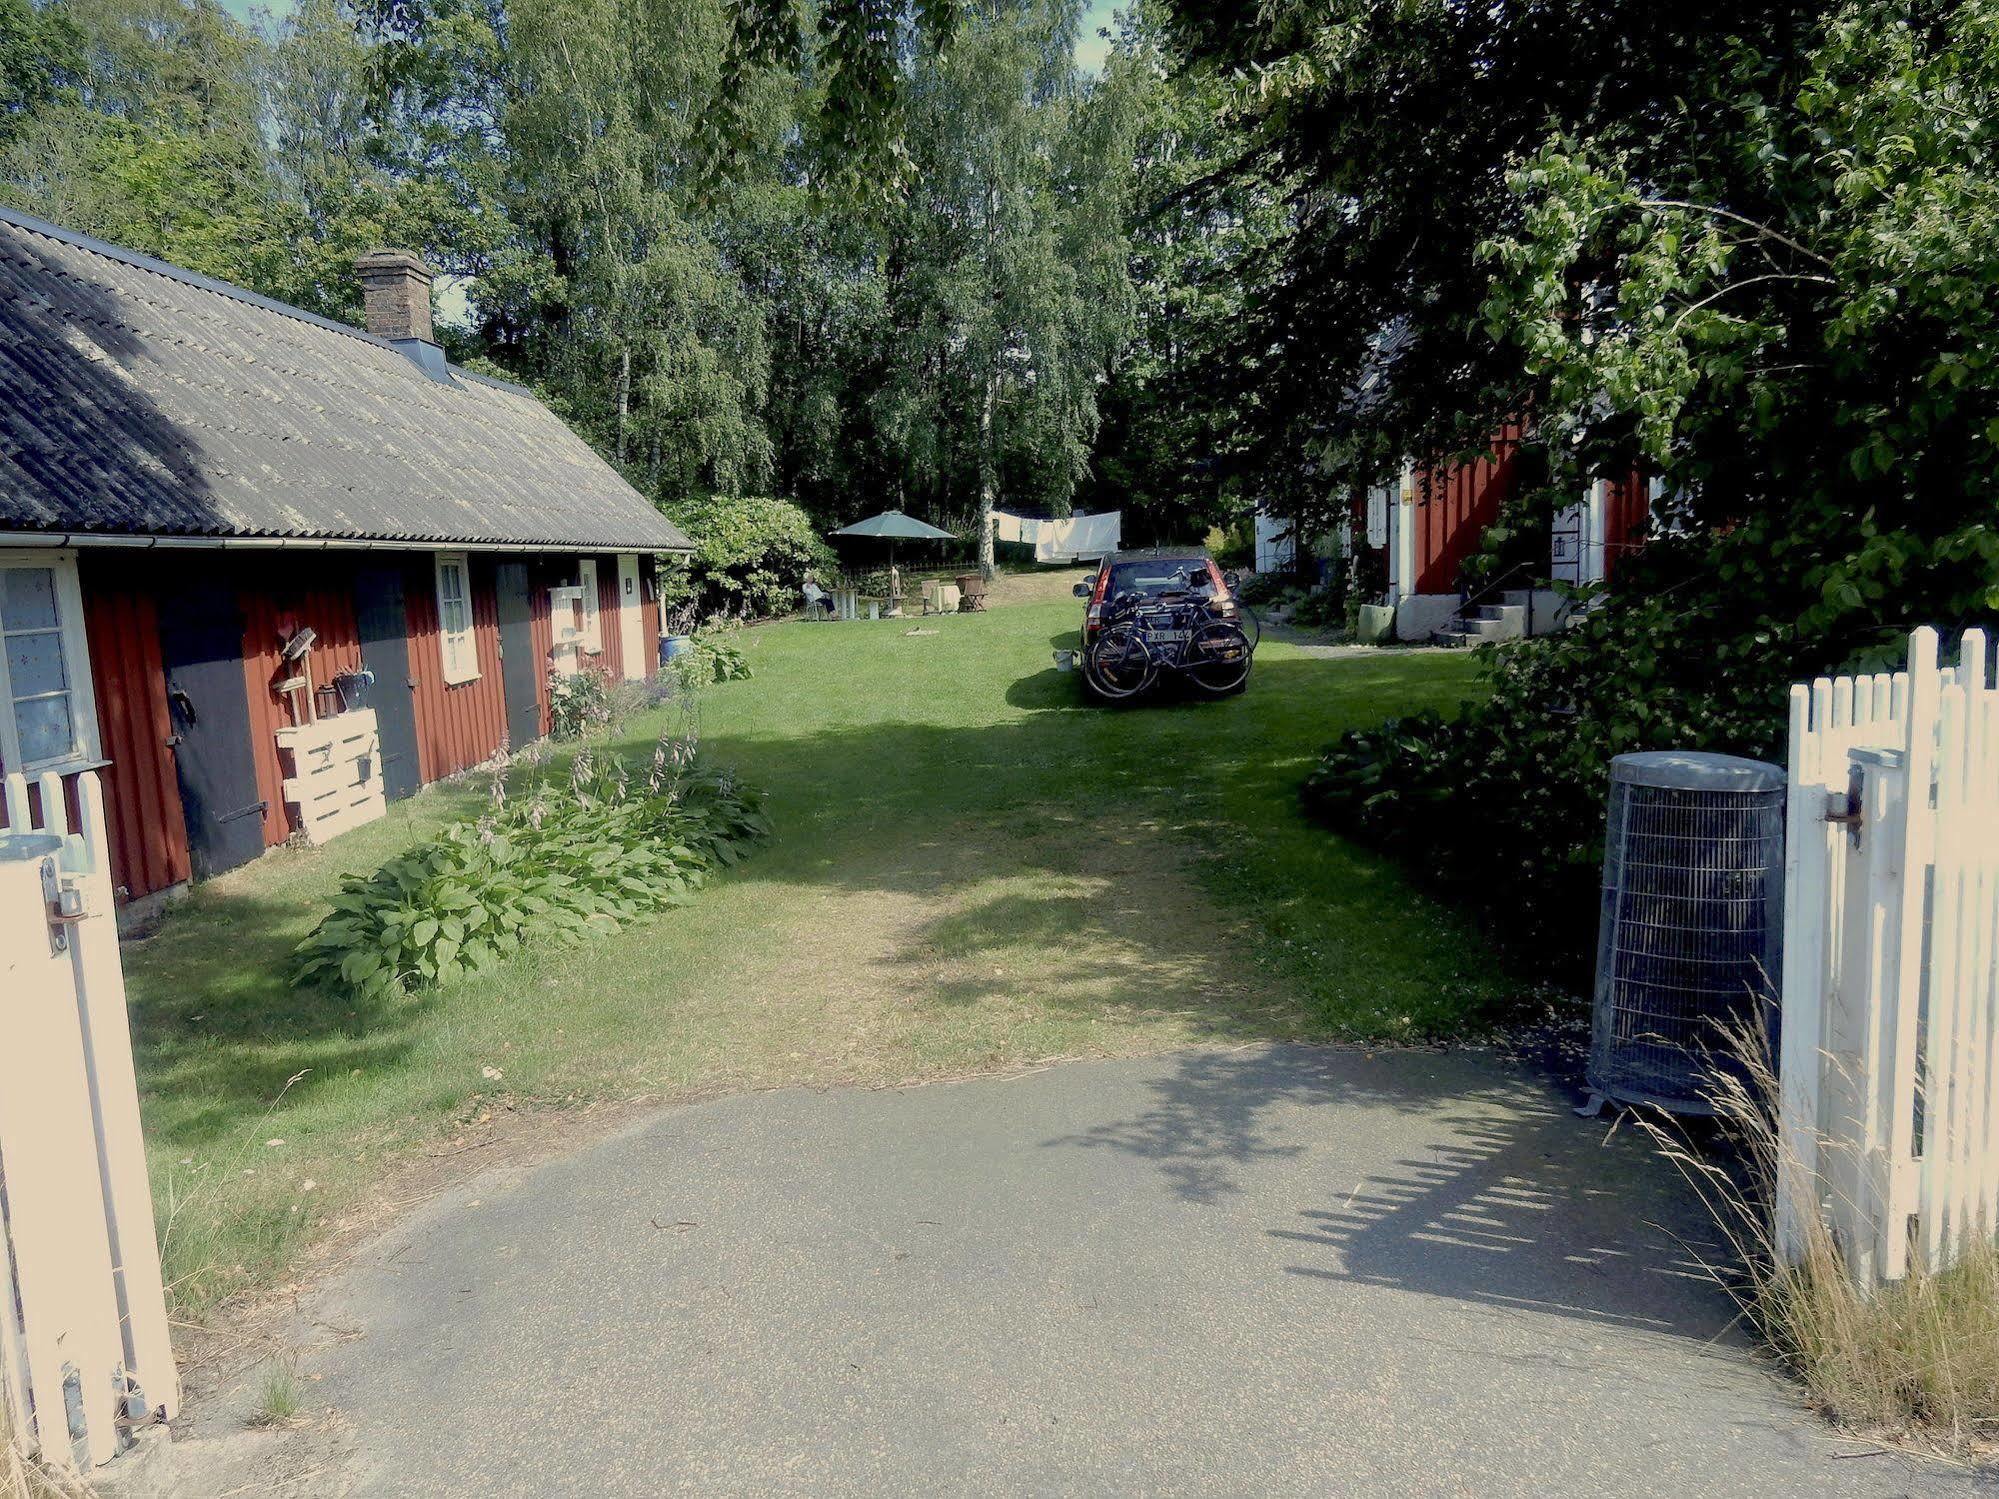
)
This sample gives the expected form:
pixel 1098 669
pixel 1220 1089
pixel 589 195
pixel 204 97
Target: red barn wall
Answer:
pixel 1627 519
pixel 1455 504
pixel 279 596
pixel 141 795
pixel 457 727
pixel 649 613
pixel 611 619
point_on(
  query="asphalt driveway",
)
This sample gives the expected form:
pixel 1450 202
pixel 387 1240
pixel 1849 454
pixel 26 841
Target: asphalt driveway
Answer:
pixel 1268 1270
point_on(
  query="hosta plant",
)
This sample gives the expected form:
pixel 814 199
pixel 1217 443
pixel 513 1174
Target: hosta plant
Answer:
pixel 563 860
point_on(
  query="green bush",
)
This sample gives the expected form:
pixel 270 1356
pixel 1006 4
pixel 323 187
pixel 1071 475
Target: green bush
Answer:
pixel 1263 588
pixel 714 656
pixel 564 860
pixel 1505 803
pixel 751 553
pixel 578 703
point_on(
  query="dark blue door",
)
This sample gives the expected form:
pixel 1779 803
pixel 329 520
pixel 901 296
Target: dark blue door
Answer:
pixel 201 646
pixel 385 650
pixel 520 673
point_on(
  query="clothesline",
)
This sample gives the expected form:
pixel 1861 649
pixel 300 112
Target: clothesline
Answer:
pixel 1072 539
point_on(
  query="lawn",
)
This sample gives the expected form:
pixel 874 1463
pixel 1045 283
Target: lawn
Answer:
pixel 974 871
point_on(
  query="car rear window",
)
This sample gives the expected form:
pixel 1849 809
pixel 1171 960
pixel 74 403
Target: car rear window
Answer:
pixel 1155 578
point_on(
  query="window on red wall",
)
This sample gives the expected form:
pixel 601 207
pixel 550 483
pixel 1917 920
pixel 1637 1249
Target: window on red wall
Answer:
pixel 48 720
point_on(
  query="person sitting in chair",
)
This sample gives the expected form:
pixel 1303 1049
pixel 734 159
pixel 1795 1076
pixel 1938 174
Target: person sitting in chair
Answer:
pixel 817 599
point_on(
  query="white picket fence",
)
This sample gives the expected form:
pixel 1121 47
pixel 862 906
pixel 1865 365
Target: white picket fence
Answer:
pixel 1888 1121
pixel 84 1355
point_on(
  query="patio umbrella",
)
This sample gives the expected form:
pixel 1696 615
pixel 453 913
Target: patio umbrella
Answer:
pixel 893 526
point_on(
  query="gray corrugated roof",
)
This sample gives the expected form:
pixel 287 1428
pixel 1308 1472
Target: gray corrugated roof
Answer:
pixel 141 399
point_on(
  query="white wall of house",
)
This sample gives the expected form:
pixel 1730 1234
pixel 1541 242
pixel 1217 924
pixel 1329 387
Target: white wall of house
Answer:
pixel 1276 542
pixel 1576 550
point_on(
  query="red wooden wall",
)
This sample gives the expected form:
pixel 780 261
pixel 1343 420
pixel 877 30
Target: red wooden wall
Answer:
pixel 1454 505
pixel 610 616
pixel 649 614
pixel 279 597
pixel 457 727
pixel 141 797
pixel 1627 519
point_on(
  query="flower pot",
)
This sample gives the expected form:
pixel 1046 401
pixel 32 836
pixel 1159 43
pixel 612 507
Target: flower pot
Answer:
pixel 674 645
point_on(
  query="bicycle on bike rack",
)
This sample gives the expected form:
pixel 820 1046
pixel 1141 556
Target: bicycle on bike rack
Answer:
pixel 1176 632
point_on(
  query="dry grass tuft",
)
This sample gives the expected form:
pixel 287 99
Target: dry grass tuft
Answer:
pixel 1915 1363
pixel 23 1479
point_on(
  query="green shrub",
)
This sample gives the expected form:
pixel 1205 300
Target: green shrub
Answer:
pixel 1506 802
pixel 563 860
pixel 1263 588
pixel 751 553
pixel 578 703
pixel 1320 608
pixel 714 657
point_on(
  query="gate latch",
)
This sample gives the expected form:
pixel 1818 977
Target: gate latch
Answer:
pixel 1843 807
pixel 65 906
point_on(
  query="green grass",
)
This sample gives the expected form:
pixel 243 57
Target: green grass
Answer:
pixel 973 871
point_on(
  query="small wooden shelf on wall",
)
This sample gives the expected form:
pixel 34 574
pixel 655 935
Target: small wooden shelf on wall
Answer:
pixel 333 774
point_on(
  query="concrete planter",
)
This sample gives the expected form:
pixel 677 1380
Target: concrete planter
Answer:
pixel 1377 623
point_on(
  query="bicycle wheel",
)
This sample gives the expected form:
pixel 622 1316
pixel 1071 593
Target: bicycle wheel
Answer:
pixel 1251 624
pixel 1217 658
pixel 1118 665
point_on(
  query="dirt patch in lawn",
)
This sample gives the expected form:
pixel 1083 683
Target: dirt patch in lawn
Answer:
pixel 985 946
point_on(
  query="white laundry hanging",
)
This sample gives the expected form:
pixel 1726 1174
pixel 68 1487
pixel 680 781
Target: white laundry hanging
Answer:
pixel 1084 537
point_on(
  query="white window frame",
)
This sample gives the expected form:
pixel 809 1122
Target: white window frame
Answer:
pixel 84 752
pixel 593 622
pixel 458 649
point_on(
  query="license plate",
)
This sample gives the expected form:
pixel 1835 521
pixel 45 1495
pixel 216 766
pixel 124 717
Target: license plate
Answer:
pixel 1168 637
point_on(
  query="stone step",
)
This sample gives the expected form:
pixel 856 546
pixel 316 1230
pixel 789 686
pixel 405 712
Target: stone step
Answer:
pixel 1543 609
pixel 1497 622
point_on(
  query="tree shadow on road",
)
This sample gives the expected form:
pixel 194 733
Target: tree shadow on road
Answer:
pixel 1446 1175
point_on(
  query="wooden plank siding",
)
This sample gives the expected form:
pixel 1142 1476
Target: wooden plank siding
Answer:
pixel 649 612
pixel 1455 503
pixel 457 726
pixel 610 618
pixel 543 576
pixel 125 595
pixel 141 795
pixel 1627 519
pixel 279 598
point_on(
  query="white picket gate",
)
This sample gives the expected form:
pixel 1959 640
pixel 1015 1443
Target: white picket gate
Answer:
pixel 1890 1053
pixel 84 1354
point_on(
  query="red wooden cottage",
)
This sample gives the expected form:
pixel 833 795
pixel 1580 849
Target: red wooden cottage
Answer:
pixel 1432 523
pixel 265 571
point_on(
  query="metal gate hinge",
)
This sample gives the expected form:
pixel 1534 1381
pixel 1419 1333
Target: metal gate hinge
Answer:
pixel 65 906
pixel 1844 808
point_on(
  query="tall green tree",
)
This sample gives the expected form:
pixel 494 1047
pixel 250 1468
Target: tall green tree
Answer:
pixel 1757 252
pixel 1174 452
pixel 138 120
pixel 1011 290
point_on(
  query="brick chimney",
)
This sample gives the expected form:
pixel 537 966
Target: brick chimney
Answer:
pixel 395 292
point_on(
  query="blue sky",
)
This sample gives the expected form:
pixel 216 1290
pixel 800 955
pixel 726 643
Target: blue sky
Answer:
pixel 1090 50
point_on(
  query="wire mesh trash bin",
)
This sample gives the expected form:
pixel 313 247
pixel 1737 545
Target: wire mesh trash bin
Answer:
pixel 1691 925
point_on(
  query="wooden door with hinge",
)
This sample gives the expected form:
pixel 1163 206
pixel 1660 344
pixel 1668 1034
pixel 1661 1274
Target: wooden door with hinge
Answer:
pixel 520 672
pixel 382 620
pixel 208 709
